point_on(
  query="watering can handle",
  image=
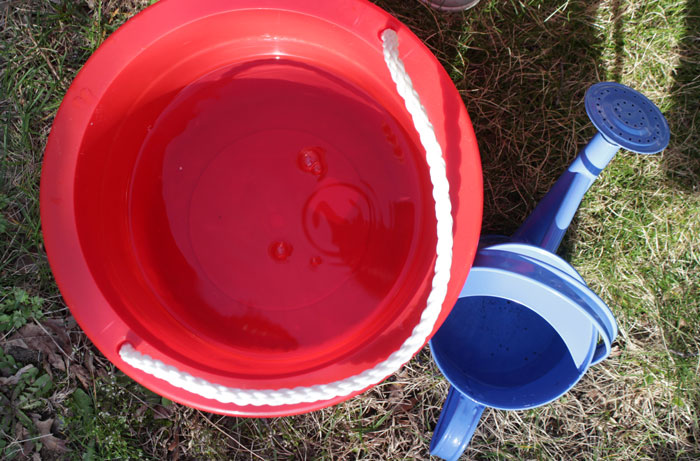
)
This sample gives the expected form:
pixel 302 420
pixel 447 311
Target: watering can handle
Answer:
pixel 459 418
pixel 443 265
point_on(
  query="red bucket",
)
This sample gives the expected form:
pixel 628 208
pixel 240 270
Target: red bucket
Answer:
pixel 239 211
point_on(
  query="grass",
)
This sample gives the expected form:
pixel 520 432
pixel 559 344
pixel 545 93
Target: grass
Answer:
pixel 522 67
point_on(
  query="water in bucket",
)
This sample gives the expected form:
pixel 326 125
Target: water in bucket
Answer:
pixel 266 221
pixel 290 233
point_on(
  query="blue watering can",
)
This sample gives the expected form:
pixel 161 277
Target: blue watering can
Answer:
pixel 526 326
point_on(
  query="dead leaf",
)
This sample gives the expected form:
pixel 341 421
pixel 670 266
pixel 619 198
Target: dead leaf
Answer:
pixel 395 392
pixel 23 437
pixel 28 447
pixel 55 444
pixel 89 363
pixel 50 442
pixel 402 373
pixel 58 328
pixel 13 380
pixel 82 375
pixel 102 373
pixel 71 324
pixel 21 432
pixel 161 412
pixel 409 405
pixel 175 444
pixel 34 337
pixel 26 264
pixel 44 427
pixel 140 410
pixel 21 353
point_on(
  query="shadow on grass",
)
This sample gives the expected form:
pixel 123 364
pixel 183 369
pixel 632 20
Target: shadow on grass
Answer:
pixel 524 71
pixel 682 158
pixel 618 38
pixel 681 162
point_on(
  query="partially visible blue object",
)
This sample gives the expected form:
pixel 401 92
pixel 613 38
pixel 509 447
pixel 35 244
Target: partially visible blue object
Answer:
pixel 526 326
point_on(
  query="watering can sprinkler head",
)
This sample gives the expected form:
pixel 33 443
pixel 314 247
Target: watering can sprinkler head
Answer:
pixel 626 118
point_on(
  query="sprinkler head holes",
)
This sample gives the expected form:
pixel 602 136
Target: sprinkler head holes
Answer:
pixel 627 118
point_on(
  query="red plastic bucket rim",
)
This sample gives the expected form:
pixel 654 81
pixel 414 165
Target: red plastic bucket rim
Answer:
pixel 90 305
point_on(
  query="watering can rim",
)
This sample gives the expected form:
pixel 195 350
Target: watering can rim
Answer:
pixel 603 324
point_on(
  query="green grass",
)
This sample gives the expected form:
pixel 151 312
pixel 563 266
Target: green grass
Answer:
pixel 522 67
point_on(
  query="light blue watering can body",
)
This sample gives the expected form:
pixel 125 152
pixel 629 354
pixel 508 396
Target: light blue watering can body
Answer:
pixel 526 326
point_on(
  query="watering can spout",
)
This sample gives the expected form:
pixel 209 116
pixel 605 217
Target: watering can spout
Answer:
pixel 625 119
pixel 547 224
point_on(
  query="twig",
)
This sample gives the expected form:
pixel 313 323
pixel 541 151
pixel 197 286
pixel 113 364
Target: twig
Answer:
pixel 43 55
pixel 28 440
pixel 685 355
pixel 52 339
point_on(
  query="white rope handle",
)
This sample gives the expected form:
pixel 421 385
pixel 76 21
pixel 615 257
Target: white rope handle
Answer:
pixel 443 263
